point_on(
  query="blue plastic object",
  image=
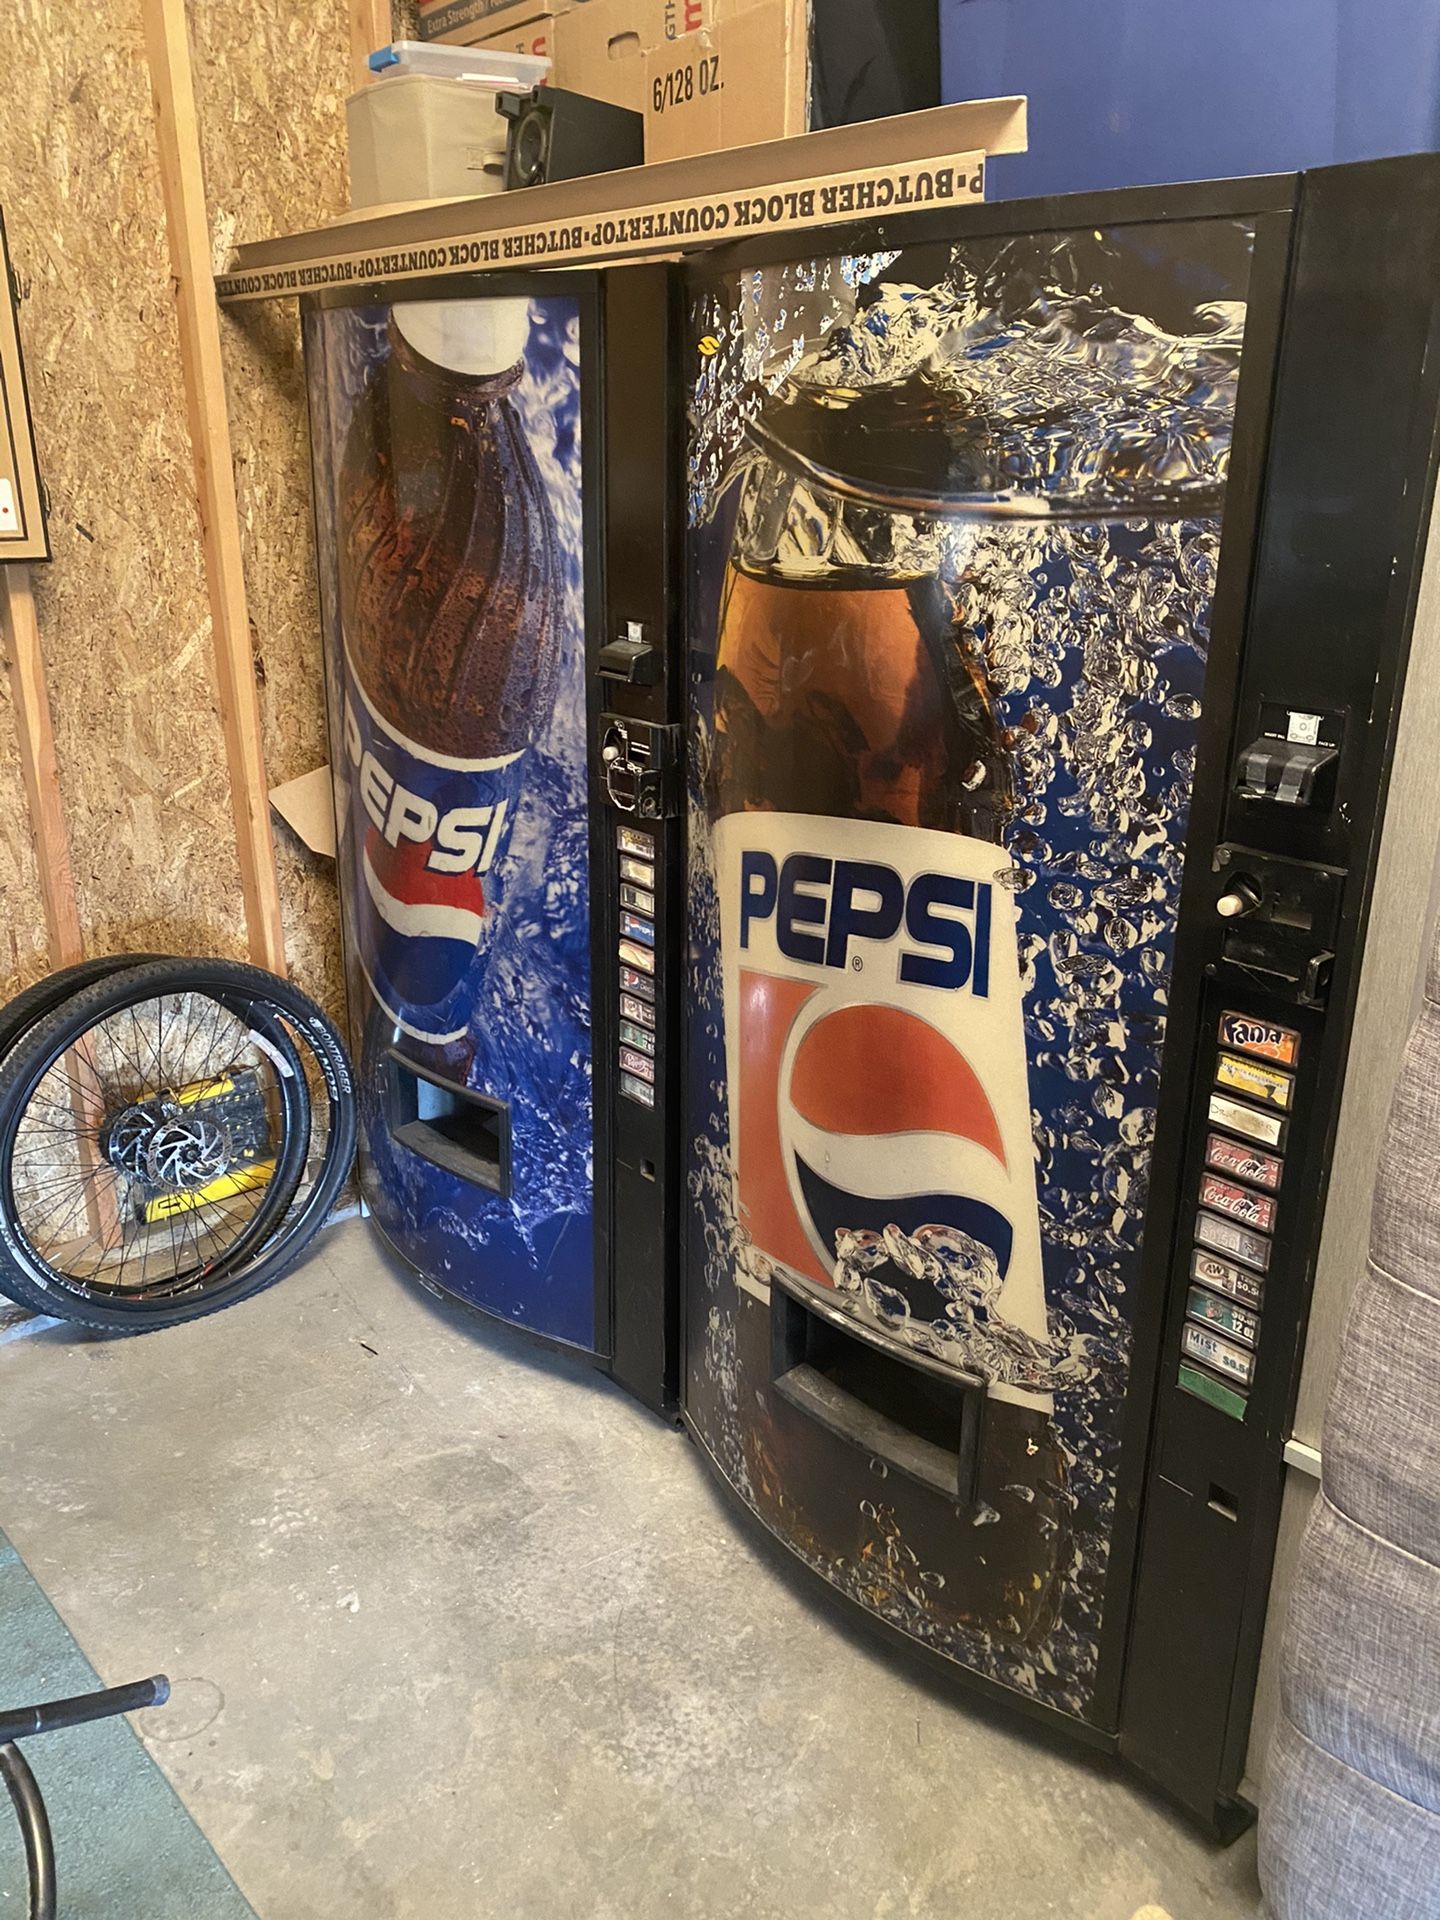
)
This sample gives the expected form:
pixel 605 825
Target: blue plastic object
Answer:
pixel 1140 92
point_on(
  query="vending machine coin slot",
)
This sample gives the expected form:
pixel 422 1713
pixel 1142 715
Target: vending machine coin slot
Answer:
pixel 639 762
pixel 1280 920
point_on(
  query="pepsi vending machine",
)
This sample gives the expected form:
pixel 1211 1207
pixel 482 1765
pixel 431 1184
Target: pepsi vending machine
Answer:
pixel 489 634
pixel 1050 574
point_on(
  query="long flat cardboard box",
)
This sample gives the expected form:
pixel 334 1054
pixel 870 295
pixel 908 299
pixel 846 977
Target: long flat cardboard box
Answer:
pixel 837 175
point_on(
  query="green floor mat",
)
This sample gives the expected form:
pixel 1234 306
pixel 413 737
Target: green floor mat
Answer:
pixel 124 1843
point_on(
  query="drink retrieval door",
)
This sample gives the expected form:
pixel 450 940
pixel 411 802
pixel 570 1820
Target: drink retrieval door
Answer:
pixel 955 521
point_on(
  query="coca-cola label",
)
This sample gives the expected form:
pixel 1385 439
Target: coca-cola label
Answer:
pixel 1224 1196
pixel 427 831
pixel 877 1074
pixel 1245 1163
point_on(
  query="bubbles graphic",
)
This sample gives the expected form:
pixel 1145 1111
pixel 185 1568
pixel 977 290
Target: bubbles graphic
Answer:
pixel 1094 633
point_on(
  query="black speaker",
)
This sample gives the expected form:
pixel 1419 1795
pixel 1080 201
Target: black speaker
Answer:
pixel 558 135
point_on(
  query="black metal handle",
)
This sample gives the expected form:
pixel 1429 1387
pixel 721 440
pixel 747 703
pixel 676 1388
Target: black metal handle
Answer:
pixel 849 1418
pixel 24 1793
pixel 18 1723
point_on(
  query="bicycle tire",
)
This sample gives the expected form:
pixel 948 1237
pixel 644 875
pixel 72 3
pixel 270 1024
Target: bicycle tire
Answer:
pixel 25 1275
pixel 17 1016
pixel 320 1034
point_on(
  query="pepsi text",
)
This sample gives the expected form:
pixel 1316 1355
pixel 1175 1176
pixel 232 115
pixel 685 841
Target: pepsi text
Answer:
pixel 820 905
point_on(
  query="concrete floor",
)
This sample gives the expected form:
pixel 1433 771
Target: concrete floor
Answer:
pixel 458 1631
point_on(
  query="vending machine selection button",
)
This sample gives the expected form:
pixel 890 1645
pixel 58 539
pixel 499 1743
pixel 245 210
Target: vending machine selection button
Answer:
pixel 1268 1128
pixel 1238 1203
pixel 638 898
pixel 633 982
pixel 1212 1311
pixel 634 928
pixel 631 840
pixel 1223 1355
pixel 637 1064
pixel 636 1089
pixel 1219 1394
pixel 637 956
pixel 1225 1277
pixel 1259 1082
pixel 1226 1236
pixel 634 1036
pixel 1249 1164
pixel 640 871
pixel 634 1009
pixel 1262 1038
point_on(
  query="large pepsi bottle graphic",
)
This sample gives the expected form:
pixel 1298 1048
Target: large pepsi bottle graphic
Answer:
pixel 452 536
pixel 954 526
pixel 447 609
pixel 876 1066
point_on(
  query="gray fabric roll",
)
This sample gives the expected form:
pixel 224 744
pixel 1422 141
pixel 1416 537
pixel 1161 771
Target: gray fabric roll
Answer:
pixel 1350 1818
pixel 1382 1427
pixel 1364 1632
pixel 1335 1843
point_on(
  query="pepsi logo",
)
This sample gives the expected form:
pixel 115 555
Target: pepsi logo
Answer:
pixel 859 1117
pixel 820 911
pixel 424 834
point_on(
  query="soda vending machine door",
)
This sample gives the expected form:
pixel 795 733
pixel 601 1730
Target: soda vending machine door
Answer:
pixel 449 438
pixel 956 514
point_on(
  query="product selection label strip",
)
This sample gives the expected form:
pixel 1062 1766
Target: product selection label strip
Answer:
pixel 649 227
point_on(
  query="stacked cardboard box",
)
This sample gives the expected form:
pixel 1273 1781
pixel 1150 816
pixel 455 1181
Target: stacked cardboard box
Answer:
pixel 705 73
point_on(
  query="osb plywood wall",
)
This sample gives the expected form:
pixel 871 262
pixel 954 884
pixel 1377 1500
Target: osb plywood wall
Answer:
pixel 124 621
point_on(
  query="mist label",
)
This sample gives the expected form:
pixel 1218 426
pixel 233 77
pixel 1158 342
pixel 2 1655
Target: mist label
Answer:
pixel 1223 1355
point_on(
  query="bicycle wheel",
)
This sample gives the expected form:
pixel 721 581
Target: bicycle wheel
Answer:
pixel 327 1068
pixel 333 1117
pixel 153 1133
pixel 17 1016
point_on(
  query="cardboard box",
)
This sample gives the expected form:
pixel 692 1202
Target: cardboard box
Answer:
pixel 536 36
pixel 469 23
pixel 600 46
pixel 743 77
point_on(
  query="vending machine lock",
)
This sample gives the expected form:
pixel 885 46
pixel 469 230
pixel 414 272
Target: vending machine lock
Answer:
pixel 640 763
pixel 1279 920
